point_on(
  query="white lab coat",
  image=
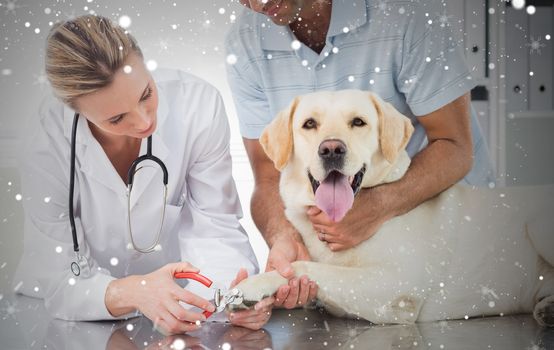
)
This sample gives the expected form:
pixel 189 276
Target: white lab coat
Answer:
pixel 202 215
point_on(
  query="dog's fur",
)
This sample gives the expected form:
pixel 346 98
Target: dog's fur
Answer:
pixel 467 252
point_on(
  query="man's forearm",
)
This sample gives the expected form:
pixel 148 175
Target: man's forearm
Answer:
pixel 437 167
pixel 268 213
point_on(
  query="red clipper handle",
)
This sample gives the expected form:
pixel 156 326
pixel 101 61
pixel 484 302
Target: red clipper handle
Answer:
pixel 199 278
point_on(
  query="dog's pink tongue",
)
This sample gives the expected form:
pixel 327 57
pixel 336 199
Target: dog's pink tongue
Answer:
pixel 334 196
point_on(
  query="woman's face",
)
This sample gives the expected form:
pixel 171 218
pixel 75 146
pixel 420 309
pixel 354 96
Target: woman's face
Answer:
pixel 127 106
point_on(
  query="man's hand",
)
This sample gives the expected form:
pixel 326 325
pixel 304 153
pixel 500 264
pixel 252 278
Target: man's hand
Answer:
pixel 360 223
pixel 300 290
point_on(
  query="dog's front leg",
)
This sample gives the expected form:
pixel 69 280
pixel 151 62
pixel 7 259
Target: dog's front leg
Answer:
pixel 374 294
pixel 258 287
pixel 378 294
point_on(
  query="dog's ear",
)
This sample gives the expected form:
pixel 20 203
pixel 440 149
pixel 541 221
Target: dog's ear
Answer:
pixel 276 139
pixel 395 129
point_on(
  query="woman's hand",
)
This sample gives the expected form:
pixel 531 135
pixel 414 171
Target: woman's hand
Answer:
pixel 255 318
pixel 157 296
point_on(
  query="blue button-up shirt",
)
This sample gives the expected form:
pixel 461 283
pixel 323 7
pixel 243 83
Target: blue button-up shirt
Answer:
pixel 398 49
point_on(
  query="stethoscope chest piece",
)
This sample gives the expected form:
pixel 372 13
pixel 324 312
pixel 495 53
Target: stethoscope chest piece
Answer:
pixel 75 269
pixel 81 266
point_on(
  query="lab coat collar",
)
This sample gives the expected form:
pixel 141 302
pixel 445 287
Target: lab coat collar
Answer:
pixel 159 149
pixel 89 155
pixel 90 158
pixel 84 136
pixel 93 161
pixel 349 14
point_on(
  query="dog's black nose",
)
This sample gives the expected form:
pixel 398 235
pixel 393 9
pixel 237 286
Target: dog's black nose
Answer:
pixel 332 152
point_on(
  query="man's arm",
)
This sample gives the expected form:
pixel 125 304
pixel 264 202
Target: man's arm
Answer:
pixel 266 205
pixel 446 160
pixel 286 244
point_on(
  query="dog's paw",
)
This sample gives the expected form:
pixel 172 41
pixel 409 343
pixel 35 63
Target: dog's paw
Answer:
pixel 257 287
pixel 544 312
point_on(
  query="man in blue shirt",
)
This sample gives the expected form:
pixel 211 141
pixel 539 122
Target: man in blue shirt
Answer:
pixel 403 51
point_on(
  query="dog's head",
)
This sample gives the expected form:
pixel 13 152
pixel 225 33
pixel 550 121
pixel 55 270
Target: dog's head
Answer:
pixel 340 141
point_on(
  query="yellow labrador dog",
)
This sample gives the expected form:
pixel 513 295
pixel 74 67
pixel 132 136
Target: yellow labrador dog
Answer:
pixel 467 252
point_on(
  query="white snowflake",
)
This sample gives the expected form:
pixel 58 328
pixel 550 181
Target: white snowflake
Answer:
pixel 163 45
pixel 40 79
pixel 9 310
pixel 444 19
pixel 444 326
pixel 178 344
pixel 382 5
pixel 518 4
pixel 125 21
pixel 353 24
pixel 70 15
pixel 151 65
pixel 11 6
pixel 535 45
pixel 488 293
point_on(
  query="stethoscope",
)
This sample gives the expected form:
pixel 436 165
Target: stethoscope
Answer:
pixel 81 265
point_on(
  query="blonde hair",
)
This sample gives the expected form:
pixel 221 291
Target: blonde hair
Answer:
pixel 83 55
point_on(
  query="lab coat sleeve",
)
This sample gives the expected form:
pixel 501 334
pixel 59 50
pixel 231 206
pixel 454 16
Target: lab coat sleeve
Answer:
pixel 210 235
pixel 44 270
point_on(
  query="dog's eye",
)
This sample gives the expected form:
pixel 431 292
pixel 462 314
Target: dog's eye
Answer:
pixel 309 124
pixel 357 122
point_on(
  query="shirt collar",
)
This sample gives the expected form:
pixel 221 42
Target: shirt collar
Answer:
pixel 344 13
pixel 350 14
